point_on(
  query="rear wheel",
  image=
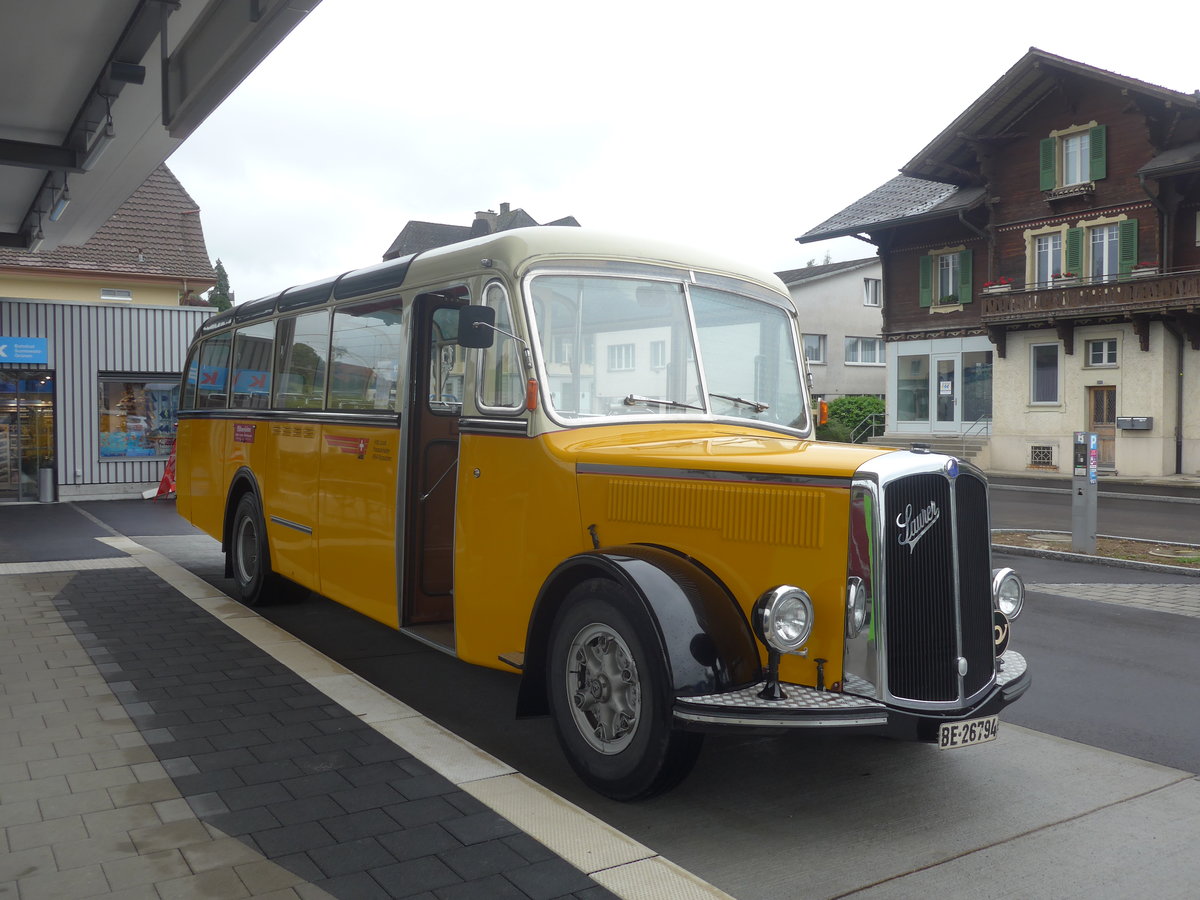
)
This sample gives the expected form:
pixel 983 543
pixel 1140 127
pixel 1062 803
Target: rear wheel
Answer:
pixel 610 696
pixel 249 554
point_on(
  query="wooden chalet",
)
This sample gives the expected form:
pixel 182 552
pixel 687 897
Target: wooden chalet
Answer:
pixel 1041 268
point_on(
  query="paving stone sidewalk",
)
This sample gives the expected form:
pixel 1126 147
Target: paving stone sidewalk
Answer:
pixel 148 751
pixel 1180 599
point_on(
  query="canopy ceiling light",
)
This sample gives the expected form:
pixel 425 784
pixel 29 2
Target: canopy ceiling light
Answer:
pixel 61 202
pixel 104 136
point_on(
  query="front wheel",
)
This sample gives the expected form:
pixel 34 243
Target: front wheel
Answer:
pixel 611 698
pixel 249 554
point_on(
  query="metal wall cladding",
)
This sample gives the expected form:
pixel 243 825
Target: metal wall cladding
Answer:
pixel 85 341
pixel 926 604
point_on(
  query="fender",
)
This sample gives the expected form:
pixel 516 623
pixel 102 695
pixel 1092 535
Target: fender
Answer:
pixel 703 634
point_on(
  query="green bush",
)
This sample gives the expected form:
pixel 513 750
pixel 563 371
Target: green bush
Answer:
pixel 837 432
pixel 853 411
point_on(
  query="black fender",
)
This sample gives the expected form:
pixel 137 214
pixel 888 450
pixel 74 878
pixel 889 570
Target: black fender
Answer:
pixel 243 482
pixel 702 632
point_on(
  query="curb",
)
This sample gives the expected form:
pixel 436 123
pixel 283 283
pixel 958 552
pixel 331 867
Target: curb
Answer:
pixel 1161 568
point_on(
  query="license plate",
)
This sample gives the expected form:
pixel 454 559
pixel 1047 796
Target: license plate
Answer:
pixel 972 731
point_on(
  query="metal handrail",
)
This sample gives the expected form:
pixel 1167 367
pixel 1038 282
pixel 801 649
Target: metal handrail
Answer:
pixel 872 425
pixel 981 425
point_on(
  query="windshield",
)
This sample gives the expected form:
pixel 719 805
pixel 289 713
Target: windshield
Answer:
pixel 614 346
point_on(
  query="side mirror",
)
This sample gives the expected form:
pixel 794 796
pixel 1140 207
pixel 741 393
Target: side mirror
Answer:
pixel 476 327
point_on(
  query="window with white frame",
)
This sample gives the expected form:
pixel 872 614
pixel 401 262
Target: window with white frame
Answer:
pixel 1073 156
pixel 864 351
pixel 814 349
pixel 1075 149
pixel 620 357
pixel 1104 247
pixel 1047 250
pixel 1102 352
pixel 872 292
pixel 1043 373
pixel 117 295
pixel 947 277
pixel 658 354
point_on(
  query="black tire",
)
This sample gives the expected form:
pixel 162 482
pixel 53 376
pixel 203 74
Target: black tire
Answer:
pixel 249 556
pixel 611 698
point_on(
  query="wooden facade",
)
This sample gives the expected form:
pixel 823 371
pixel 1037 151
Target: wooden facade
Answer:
pixel 1062 207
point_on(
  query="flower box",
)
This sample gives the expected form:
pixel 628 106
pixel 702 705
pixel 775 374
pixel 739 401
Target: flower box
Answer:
pixel 1143 271
pixel 998 289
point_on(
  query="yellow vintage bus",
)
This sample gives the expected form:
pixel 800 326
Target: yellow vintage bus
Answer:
pixel 591 461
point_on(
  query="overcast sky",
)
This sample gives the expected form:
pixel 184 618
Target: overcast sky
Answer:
pixel 729 126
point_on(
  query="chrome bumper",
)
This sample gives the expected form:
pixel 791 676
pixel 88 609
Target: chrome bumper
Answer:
pixel 806 707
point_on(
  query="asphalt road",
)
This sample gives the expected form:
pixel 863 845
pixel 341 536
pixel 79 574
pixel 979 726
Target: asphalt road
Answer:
pixel 1144 516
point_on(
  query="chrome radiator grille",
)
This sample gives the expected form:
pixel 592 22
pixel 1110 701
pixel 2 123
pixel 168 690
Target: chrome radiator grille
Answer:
pixel 938 587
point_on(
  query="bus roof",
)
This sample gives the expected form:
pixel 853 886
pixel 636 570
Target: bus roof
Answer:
pixel 512 251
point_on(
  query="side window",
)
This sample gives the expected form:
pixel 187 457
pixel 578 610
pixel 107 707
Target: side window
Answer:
pixel 302 354
pixel 368 353
pixel 191 374
pixel 253 348
pixel 445 363
pixel 213 387
pixel 501 384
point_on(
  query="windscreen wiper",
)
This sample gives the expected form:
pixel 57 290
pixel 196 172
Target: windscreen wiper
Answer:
pixel 635 399
pixel 753 404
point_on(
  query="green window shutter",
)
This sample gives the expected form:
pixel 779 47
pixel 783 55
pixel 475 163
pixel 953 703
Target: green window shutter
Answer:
pixel 1127 248
pixel 925 292
pixel 965 280
pixel 1074 260
pixel 1098 152
pixel 1047 160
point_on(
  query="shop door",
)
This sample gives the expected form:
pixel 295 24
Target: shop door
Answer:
pixel 26 431
pixel 1102 419
pixel 945 392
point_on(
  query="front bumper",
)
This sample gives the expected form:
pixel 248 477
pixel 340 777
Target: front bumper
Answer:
pixel 806 707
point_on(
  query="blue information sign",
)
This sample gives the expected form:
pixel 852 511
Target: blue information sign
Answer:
pixel 23 350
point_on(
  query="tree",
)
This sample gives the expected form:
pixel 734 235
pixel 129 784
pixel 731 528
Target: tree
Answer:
pixel 220 296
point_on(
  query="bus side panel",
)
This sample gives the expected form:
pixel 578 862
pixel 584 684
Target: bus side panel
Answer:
pixel 199 479
pixel 356 537
pixel 289 487
pixel 515 521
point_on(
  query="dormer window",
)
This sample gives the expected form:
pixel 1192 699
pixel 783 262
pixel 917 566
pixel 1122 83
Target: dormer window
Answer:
pixel 1073 158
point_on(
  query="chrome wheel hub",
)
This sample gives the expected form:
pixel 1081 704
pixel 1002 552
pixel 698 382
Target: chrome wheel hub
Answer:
pixel 605 691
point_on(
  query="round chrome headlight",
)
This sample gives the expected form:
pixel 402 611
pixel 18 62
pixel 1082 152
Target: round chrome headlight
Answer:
pixel 783 618
pixel 858 613
pixel 1008 592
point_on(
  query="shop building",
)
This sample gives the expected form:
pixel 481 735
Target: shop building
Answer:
pixel 92 341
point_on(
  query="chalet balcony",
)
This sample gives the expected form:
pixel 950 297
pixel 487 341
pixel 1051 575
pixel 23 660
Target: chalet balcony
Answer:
pixel 1174 296
pixel 1127 296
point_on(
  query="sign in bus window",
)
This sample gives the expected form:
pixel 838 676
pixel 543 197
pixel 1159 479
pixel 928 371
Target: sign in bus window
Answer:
pixel 214 372
pixel 253 347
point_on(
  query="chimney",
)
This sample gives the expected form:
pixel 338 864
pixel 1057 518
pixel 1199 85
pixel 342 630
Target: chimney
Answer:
pixel 504 207
pixel 485 223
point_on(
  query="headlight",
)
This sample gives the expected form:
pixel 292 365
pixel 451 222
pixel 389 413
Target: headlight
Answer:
pixel 783 618
pixel 858 613
pixel 1008 592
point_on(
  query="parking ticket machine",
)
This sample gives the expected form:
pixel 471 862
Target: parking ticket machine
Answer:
pixel 1085 461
